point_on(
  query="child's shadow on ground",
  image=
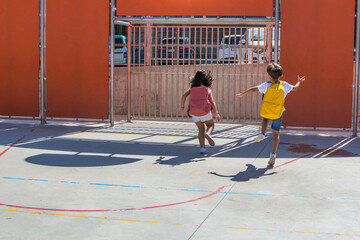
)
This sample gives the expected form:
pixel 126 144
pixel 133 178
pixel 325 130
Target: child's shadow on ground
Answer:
pixel 177 160
pixel 250 173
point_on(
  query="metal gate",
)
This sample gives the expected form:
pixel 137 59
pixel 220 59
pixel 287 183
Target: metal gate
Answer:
pixel 162 58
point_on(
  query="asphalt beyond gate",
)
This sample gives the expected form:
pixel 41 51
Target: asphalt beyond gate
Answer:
pixel 147 180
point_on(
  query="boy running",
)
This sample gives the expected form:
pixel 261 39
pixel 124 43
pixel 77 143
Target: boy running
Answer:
pixel 272 106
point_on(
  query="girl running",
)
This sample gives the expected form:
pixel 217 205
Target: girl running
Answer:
pixel 201 103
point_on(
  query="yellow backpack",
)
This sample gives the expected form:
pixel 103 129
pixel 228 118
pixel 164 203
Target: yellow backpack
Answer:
pixel 272 105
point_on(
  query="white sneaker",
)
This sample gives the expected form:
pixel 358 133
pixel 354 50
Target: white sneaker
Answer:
pixel 209 139
pixel 272 159
pixel 259 137
pixel 203 150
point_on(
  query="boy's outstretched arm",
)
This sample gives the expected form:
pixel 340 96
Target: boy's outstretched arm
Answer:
pixel 297 85
pixel 250 90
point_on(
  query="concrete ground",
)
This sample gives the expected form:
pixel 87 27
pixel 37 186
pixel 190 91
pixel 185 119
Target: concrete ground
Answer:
pixel 147 180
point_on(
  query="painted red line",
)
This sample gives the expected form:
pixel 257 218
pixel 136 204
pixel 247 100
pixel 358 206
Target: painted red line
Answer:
pixel 3 152
pixel 193 200
pixel 50 209
pixel 12 145
pixel 271 169
pixel 152 207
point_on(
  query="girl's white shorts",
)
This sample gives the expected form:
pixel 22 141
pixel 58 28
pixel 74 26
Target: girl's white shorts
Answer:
pixel 202 118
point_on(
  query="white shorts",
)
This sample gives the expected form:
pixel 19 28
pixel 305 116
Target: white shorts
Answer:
pixel 202 118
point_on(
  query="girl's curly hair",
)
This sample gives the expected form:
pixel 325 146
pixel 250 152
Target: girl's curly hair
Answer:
pixel 202 77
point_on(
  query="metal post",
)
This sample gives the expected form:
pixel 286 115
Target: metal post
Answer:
pixel 277 18
pixel 128 73
pixel 42 77
pixel 356 82
pixel 112 42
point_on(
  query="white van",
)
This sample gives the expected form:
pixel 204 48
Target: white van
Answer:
pixel 120 50
pixel 230 49
pixel 258 44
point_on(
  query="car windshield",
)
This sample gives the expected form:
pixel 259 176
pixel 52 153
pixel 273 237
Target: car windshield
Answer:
pixel 120 40
pixel 170 41
pixel 255 36
pixel 232 40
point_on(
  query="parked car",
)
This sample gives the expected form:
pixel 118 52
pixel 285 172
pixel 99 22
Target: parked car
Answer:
pixel 258 48
pixel 170 47
pixel 230 49
pixel 120 50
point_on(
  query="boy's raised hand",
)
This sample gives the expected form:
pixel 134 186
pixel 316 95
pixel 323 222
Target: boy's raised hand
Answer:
pixel 239 95
pixel 301 79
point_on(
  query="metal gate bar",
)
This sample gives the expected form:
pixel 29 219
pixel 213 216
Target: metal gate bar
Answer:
pixel 356 80
pixel 236 56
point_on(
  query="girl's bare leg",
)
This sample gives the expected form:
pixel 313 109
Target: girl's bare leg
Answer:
pixel 210 125
pixel 201 134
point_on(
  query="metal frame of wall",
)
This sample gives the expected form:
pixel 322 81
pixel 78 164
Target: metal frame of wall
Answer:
pixel 356 80
pixel 78 102
pixel 190 21
pixel 159 76
pixel 114 20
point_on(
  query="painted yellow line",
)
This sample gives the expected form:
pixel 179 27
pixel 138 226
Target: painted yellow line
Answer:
pixel 7 129
pixel 339 147
pixel 178 224
pixel 126 134
pixel 315 233
pixel 301 232
pixel 89 217
pixel 331 148
pixel 112 133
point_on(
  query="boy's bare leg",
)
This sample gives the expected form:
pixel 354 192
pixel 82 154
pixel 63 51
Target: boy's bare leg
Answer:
pixel 264 124
pixel 261 135
pixel 276 140
pixel 210 125
pixel 201 134
pixel 275 144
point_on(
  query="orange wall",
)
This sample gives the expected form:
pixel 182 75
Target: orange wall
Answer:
pixel 19 58
pixel 77 38
pixel 317 39
pixel 195 8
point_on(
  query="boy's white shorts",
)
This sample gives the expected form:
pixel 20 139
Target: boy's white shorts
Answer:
pixel 201 118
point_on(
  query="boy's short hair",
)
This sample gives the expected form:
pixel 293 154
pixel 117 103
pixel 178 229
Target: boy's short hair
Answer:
pixel 274 70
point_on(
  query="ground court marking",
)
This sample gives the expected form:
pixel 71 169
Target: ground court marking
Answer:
pixel 178 224
pixel 334 147
pixel 301 232
pixel 152 207
pixel 180 189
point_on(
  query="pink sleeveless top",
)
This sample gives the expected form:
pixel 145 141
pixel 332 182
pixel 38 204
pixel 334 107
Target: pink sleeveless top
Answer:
pixel 199 104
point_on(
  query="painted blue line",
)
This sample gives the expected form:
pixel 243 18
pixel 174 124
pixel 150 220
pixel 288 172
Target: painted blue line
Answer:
pixel 351 199
pixel 70 182
pixel 115 185
pixel 26 179
pixel 190 190
pixel 202 191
